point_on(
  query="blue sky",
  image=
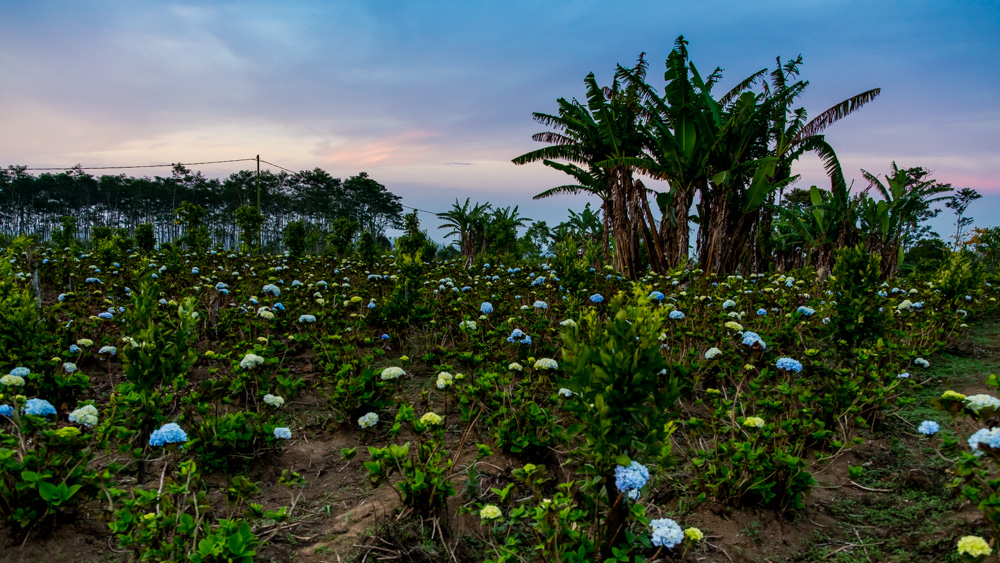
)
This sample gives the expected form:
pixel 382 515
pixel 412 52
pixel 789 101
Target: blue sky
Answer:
pixel 434 98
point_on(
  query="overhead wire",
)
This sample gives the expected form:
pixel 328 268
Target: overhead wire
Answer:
pixel 139 166
pixel 262 161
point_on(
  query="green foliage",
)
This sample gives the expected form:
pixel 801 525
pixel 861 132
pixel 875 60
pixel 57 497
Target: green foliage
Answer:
pixel 367 248
pixel 66 235
pixel 145 239
pixel 173 524
pixel 249 221
pixel 26 337
pixel 44 475
pixel 856 319
pixel 614 363
pixel 423 484
pixel 359 391
pixel 961 275
pixel 189 217
pixel 341 236
pixel 158 351
pixel 924 258
pixel 294 237
pixel 230 442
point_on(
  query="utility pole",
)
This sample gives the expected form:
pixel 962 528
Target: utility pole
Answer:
pixel 258 183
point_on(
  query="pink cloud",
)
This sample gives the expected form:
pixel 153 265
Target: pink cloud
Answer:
pixel 398 150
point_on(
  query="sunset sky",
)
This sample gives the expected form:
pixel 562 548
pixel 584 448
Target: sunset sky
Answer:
pixel 433 99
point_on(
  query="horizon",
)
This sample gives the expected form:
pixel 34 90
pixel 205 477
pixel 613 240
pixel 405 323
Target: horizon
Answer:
pixel 433 99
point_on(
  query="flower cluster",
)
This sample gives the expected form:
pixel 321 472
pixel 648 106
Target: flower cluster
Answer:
pixel 38 407
pixel 444 379
pixel 753 422
pixel 368 420
pixel 12 380
pixel 676 315
pixel 392 372
pixel 518 335
pixel 85 415
pixel 974 546
pixel 788 364
pixel 251 361
pixel 431 419
pixel 274 400
pixel 282 433
pixel 666 533
pixel 978 402
pixel 486 308
pixel 752 338
pixel 272 289
pixel 490 512
pixel 929 427
pixel 629 479
pixel 546 363
pixel 170 433
pixel 307 319
pixel 987 436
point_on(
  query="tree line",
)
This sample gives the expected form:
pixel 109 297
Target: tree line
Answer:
pixel 225 209
pixel 727 160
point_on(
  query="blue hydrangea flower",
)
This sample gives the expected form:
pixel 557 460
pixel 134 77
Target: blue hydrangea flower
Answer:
pixel 806 311
pixel 751 338
pixel 195 271
pixel 20 371
pixel 656 295
pixel 666 533
pixel 6 410
pixel 38 407
pixel 761 312
pixel 106 316
pixel 371 304
pixel 279 307
pixel 789 364
pixel 990 437
pixel 385 337
pixel 282 433
pixel 169 433
pixel 596 298
pixel 272 289
pixel 74 349
pixel 307 319
pixel 904 375
pixel 62 297
pixel 629 479
pixel 538 281
pixel 929 427
pixel 676 315
pixel 541 305
pixel 486 308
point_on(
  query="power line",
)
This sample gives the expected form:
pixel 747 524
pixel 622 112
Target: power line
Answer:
pixel 278 166
pixel 139 166
pixel 186 164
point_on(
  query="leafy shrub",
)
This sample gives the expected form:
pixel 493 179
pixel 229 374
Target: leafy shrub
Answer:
pixel 856 319
pixel 173 524
pixel 44 474
pixel 230 442
pixel 158 352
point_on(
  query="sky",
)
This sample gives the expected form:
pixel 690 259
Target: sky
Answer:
pixel 434 99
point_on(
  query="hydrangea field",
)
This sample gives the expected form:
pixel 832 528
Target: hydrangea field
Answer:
pixel 171 406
